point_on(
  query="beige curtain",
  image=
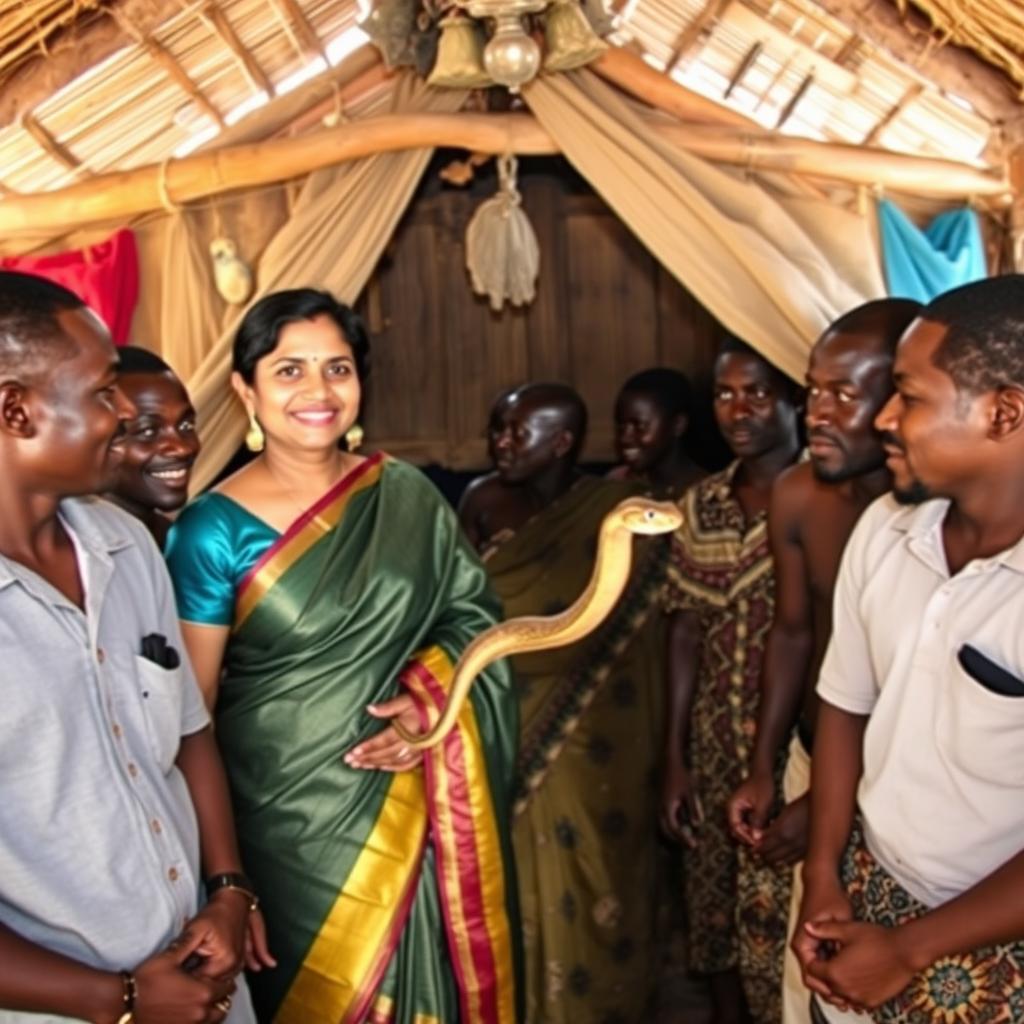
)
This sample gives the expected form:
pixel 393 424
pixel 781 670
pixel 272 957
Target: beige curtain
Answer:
pixel 190 309
pixel 766 270
pixel 339 226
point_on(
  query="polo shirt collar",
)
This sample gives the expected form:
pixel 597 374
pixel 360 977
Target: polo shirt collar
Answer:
pixel 98 535
pixel 923 526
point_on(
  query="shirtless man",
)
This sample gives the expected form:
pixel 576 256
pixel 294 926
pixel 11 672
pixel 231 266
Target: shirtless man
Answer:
pixel 814 507
pixel 513 493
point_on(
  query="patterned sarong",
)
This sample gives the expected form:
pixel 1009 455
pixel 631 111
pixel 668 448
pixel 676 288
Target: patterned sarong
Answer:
pixel 985 986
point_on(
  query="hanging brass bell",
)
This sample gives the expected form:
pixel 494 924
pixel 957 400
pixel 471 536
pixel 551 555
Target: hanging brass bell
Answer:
pixel 570 42
pixel 459 63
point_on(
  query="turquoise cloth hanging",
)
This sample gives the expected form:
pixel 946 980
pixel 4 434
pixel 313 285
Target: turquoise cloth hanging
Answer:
pixel 922 264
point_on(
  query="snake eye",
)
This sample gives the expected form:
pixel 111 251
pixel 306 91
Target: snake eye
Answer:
pixel 649 515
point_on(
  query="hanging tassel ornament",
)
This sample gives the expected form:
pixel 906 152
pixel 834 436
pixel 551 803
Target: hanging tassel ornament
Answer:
pixel 502 254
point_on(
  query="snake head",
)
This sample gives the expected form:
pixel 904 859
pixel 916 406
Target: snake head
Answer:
pixel 641 515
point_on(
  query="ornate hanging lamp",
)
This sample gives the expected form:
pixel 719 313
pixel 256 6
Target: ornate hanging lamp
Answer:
pixel 511 56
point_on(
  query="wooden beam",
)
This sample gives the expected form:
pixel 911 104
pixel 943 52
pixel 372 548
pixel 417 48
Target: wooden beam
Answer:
pixel 879 23
pixel 293 15
pixel 743 67
pixel 634 75
pixel 1015 215
pixel 166 60
pixel 49 144
pixel 696 30
pixel 894 112
pixel 313 118
pixel 847 50
pixel 361 71
pixel 71 54
pixel 219 23
pixel 121 196
pixel 794 101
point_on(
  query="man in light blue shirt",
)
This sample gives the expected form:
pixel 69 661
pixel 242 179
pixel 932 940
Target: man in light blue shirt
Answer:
pixel 111 789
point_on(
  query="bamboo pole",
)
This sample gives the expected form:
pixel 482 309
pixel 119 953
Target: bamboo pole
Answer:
pixel 913 92
pixel 360 71
pixel 293 15
pixel 1015 215
pixel 794 101
pixel 696 30
pixel 634 75
pixel 857 165
pixel 222 27
pixel 165 59
pixel 126 194
pixel 50 146
pixel 170 64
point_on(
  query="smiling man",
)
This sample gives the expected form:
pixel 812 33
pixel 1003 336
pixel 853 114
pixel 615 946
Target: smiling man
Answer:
pixel 913 878
pixel 159 445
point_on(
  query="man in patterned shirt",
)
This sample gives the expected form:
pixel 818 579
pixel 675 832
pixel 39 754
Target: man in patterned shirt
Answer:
pixel 721 600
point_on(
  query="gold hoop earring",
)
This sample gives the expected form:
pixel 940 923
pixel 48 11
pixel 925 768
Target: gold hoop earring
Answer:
pixel 255 439
pixel 354 437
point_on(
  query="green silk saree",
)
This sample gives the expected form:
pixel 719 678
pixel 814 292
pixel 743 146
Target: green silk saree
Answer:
pixel 389 898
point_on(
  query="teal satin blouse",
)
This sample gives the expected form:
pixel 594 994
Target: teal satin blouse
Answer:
pixel 210 548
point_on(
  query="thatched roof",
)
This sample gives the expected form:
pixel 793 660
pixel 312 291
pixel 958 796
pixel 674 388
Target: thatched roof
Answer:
pixel 183 73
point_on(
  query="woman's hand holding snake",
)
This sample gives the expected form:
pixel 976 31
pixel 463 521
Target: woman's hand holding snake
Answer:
pixel 387 751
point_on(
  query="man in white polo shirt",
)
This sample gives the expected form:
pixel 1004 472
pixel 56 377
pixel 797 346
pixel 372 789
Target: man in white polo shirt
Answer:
pixel 914 878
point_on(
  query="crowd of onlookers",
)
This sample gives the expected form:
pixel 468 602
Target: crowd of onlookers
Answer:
pixel 800 721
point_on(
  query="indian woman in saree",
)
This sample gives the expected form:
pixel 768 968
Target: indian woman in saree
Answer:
pixel 323 594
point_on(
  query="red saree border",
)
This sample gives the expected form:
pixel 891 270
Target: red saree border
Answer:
pixel 471 869
pixel 313 524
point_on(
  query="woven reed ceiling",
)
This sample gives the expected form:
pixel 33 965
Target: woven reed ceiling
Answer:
pixel 206 64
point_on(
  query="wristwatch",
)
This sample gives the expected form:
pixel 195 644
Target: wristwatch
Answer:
pixel 233 880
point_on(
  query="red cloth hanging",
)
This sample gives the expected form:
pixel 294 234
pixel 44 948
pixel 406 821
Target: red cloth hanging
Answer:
pixel 104 276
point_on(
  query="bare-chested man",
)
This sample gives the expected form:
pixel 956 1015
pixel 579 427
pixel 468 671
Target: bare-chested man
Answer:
pixel 495 503
pixel 814 507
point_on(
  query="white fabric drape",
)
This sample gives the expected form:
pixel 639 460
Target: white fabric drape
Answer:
pixel 767 271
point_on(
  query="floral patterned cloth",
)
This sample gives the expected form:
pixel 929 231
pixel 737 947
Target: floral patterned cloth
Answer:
pixel 985 986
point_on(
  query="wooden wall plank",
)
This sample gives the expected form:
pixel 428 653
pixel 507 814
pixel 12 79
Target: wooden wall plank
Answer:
pixel 604 309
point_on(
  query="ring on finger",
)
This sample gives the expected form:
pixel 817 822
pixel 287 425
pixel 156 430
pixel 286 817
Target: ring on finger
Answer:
pixel 224 1004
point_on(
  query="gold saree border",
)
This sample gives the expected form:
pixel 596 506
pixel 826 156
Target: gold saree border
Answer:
pixel 471 865
pixel 383 1012
pixel 314 524
pixel 339 975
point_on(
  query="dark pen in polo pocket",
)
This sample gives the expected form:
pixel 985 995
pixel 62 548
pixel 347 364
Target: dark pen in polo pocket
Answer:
pixel 156 649
pixel 988 674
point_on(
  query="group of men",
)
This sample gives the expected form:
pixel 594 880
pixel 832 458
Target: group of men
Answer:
pixel 902 514
pixel 115 809
pixel 818 682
